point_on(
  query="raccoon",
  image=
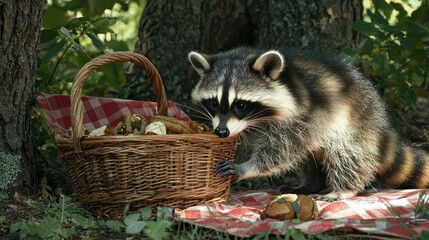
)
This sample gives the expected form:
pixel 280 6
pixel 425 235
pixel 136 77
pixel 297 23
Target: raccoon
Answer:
pixel 311 113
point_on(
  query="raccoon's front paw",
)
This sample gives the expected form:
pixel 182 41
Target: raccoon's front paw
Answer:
pixel 227 169
pixel 323 197
pixel 334 195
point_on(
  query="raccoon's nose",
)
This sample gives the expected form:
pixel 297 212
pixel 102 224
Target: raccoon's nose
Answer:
pixel 222 132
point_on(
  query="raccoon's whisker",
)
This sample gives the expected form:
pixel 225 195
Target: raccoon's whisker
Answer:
pixel 187 107
pixel 205 118
pixel 204 113
pixel 258 129
pixel 243 137
pixel 255 114
pixel 201 109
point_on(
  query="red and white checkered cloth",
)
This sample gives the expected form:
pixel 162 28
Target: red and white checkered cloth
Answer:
pixel 98 111
pixel 367 213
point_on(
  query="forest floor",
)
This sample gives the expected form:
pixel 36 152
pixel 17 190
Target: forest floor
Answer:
pixel 48 216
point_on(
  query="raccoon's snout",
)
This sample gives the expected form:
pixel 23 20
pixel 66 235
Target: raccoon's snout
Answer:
pixel 222 132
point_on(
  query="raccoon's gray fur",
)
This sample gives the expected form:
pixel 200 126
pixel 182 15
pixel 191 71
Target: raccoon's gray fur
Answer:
pixel 312 114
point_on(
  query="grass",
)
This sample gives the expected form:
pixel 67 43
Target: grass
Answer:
pixel 61 217
pixel 421 212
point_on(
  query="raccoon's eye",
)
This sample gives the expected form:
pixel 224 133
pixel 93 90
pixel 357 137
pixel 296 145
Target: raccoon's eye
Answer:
pixel 241 106
pixel 211 105
pixel 214 104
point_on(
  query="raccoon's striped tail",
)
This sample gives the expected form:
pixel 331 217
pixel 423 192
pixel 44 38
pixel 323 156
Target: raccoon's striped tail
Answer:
pixel 402 166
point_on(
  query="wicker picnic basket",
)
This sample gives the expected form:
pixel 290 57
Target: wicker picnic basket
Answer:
pixel 109 173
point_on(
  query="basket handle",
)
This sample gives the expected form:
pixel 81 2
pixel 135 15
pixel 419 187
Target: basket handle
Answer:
pixel 76 108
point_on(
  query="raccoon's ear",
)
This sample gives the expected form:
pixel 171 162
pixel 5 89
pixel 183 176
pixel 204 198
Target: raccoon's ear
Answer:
pixel 199 61
pixel 269 64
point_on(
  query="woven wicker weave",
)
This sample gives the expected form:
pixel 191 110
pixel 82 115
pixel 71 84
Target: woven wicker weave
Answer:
pixel 110 172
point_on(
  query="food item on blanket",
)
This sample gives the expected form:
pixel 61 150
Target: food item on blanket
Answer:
pixel 156 128
pixel 291 206
pixel 132 124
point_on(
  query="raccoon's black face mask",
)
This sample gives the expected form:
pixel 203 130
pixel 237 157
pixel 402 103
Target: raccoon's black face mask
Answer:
pixel 240 90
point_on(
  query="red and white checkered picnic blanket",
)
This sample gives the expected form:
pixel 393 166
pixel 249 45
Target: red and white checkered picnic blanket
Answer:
pixel 368 213
pixel 98 111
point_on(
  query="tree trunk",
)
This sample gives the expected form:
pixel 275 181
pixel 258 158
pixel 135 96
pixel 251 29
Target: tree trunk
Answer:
pixel 321 25
pixel 170 29
pixel 20 25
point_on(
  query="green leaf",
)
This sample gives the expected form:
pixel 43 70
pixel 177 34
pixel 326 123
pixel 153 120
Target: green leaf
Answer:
pixel 135 227
pixel 380 65
pixel 54 17
pixel 65 233
pixel 52 50
pixel 157 230
pixel 48 35
pixel 66 33
pixel 146 213
pixel 368 29
pixel 296 220
pixel 411 42
pixel 102 25
pixel 383 6
pixel 402 13
pixel 365 47
pixel 425 85
pixel 75 5
pixel 83 221
pixel 117 45
pixel 395 53
pixel 14 227
pixel 164 213
pixel 98 43
pixel 295 234
pixel 262 235
pixel 77 23
pixel 416 27
pixel 131 218
pixel 382 23
pixel 101 223
pixel 45 228
pixel 283 200
pixel 97 7
pixel 296 207
pixel 421 13
pixel 114 225
pixel 2 219
pixel 424 235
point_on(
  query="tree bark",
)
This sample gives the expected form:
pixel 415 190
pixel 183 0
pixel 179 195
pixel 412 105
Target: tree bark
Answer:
pixel 170 29
pixel 320 25
pixel 20 25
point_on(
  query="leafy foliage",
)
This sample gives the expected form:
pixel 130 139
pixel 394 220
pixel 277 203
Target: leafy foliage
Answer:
pixel 73 33
pixel 137 223
pixel 396 49
pixel 58 222
pixel 422 206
